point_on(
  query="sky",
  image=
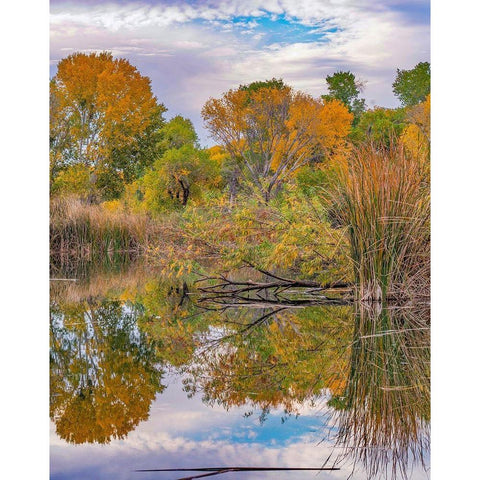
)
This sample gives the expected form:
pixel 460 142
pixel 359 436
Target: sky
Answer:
pixel 184 432
pixel 196 49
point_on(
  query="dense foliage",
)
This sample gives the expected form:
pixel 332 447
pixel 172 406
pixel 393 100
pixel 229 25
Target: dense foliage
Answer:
pixel 412 86
pixel 290 185
pixel 270 131
pixel 103 117
pixel 345 87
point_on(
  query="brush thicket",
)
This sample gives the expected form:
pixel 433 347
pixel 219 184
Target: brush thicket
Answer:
pixel 382 195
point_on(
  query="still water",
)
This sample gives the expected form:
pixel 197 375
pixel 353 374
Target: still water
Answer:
pixel 145 373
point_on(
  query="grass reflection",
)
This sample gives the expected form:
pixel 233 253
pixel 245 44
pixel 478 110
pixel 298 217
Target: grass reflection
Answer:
pixel 109 350
pixel 383 414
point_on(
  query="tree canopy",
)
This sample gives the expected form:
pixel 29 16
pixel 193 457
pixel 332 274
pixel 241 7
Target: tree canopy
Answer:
pixel 271 131
pixel 412 86
pixel 103 115
pixel 178 132
pixel 380 125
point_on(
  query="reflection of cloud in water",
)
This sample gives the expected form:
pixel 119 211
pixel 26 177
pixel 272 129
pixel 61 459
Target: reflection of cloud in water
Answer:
pixel 183 432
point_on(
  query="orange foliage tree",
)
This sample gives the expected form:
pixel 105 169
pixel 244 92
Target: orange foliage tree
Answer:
pixel 271 131
pixel 102 115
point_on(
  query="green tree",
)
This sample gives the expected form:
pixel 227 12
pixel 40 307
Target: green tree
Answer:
pixel 345 87
pixel 412 86
pixel 178 175
pixel 274 83
pixel 379 125
pixel 177 132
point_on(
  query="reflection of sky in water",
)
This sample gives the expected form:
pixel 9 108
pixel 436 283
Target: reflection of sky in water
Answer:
pixel 183 432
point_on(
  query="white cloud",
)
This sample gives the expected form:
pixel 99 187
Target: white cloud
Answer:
pixel 194 51
pixel 184 432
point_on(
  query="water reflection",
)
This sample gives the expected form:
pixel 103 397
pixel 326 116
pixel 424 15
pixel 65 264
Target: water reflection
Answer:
pixel 284 361
pixel 103 372
pixel 384 411
pixel 109 352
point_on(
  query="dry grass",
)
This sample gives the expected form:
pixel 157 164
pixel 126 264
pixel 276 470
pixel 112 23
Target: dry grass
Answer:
pixel 79 229
pixel 382 195
pixel 75 287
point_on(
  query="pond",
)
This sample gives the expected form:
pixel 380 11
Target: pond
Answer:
pixel 148 372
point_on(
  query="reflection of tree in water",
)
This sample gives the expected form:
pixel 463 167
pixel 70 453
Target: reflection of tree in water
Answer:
pixel 375 364
pixel 103 375
pixel 288 358
pixel 384 413
pixel 380 381
pixel 172 319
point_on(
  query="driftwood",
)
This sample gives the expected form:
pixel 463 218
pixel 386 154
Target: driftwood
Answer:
pixel 278 292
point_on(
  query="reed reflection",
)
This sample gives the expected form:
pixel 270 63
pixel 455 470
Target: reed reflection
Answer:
pixel 383 415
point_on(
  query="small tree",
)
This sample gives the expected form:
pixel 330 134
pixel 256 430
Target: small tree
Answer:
pixel 177 176
pixel 345 87
pixel 412 86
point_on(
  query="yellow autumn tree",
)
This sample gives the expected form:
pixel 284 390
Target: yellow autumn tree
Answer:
pixel 103 115
pixel 416 136
pixel 270 131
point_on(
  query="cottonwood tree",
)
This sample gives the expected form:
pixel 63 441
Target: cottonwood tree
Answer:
pixel 270 131
pixel 102 115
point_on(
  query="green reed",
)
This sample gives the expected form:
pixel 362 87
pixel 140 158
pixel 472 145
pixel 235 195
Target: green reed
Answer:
pixel 382 195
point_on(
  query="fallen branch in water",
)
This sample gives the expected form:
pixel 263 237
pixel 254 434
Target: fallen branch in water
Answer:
pixel 225 285
pixel 232 300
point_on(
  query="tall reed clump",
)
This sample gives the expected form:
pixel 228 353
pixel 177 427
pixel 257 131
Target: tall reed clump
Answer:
pixel 382 195
pixel 79 229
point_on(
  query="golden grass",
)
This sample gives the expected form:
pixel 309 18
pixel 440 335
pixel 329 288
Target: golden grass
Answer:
pixel 80 229
pixel 382 195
